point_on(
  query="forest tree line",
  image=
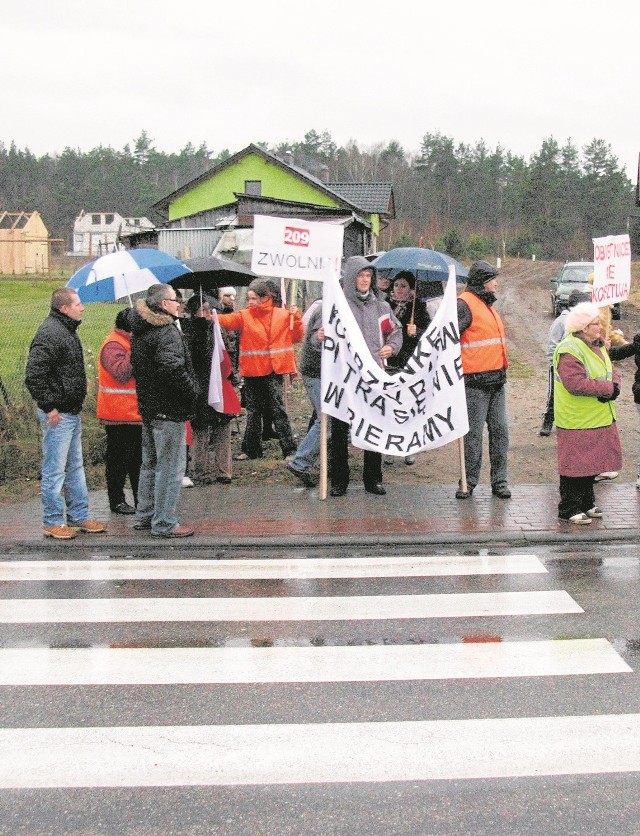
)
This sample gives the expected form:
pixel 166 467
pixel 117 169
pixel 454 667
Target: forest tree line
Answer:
pixel 468 200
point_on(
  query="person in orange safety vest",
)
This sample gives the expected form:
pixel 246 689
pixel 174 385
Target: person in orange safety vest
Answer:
pixel 267 337
pixel 117 409
pixel 483 347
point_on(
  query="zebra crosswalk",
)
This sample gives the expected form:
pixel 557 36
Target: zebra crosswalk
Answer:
pixel 268 623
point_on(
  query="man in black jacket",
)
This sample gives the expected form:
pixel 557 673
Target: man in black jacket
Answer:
pixel 167 391
pixel 57 381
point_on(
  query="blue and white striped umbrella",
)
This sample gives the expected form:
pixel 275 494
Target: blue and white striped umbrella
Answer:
pixel 120 274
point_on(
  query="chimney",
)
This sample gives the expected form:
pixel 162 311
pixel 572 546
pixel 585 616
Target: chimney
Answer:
pixel 288 156
pixel 324 173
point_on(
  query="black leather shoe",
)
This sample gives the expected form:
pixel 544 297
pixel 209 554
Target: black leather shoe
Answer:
pixel 501 491
pixel 377 489
pixel 460 494
pixel 144 525
pixel 123 508
pixel 338 490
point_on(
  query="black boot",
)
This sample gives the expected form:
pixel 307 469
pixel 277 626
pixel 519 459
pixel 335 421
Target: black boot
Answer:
pixel 547 425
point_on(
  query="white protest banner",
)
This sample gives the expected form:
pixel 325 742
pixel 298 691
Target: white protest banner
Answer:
pixel 421 408
pixel 296 249
pixel 612 269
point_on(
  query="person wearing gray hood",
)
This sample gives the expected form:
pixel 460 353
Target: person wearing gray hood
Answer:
pixel 359 285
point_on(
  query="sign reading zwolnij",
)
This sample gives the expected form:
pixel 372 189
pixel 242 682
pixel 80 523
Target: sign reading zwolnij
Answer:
pixel 421 408
pixel 612 269
pixel 296 249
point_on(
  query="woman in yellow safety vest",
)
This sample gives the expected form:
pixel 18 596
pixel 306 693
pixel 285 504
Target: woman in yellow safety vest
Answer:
pixel 585 388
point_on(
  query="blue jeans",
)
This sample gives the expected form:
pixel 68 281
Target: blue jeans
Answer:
pixel 309 448
pixel 63 488
pixel 164 458
pixel 490 408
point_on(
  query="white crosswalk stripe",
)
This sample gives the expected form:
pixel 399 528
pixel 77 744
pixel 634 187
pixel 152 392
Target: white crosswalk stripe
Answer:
pixel 299 608
pixel 157 666
pixel 343 567
pixel 296 752
pixel 318 753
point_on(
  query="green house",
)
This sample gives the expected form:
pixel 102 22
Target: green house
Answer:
pixel 206 213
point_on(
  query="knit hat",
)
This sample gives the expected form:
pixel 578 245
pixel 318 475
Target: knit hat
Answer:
pixel 577 296
pixel 580 316
pixel 480 273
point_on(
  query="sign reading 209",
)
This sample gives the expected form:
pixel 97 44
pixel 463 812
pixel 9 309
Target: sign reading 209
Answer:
pixel 296 237
pixel 293 248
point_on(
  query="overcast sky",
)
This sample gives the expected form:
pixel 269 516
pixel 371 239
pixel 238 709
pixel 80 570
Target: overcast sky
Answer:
pixel 84 74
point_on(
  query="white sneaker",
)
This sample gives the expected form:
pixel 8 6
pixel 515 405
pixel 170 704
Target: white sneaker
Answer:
pixel 595 513
pixel 607 476
pixel 580 519
pixel 186 482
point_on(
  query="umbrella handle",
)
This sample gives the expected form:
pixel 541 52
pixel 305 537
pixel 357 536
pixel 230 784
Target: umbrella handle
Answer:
pixel 413 307
pixel 415 296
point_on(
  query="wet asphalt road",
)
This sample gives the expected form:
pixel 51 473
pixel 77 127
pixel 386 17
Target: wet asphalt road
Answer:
pixel 603 581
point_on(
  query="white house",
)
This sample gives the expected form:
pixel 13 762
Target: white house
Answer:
pixel 97 233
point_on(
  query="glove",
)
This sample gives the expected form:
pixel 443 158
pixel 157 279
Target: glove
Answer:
pixel 613 396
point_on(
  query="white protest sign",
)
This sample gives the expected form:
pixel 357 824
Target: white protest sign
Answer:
pixel 612 269
pixel 296 249
pixel 421 408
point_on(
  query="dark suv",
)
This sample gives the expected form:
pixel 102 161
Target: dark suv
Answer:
pixel 573 276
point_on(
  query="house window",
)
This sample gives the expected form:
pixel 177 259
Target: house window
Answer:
pixel 96 220
pixel 253 187
pixel 136 221
pixel 108 219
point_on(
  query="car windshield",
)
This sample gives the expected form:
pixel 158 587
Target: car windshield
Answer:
pixel 577 274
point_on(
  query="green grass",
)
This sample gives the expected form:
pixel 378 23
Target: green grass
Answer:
pixel 24 304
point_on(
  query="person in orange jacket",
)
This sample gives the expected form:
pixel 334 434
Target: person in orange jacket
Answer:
pixel 117 409
pixel 267 338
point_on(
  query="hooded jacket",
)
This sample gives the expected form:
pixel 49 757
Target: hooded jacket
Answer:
pixel 55 375
pixel 162 368
pixel 311 356
pixel 374 316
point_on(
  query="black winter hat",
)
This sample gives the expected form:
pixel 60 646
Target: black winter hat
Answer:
pixel 480 273
pixel 577 296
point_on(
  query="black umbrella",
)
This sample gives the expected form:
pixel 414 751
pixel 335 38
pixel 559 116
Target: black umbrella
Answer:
pixel 210 272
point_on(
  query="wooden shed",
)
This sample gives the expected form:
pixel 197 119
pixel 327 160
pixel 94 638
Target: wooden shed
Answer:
pixel 24 243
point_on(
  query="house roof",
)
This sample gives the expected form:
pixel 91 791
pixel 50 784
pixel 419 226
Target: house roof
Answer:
pixel 15 220
pixel 371 197
pixel 339 195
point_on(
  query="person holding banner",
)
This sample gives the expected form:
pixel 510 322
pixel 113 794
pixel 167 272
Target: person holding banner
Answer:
pixel 412 318
pixel 267 339
pixel 586 384
pixel 483 346
pixel 211 427
pixel 382 334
